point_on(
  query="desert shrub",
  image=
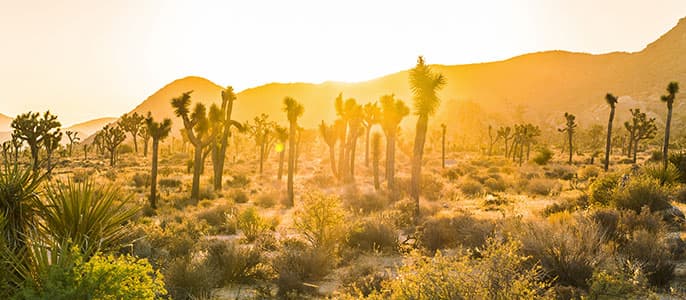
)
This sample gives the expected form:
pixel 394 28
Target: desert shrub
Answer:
pixel 124 149
pixel 656 171
pixel 678 159
pixel 431 187
pixel 207 192
pixel 569 204
pixel 625 282
pixel 238 181
pixel 543 156
pixel 251 224
pixel 319 218
pixel 373 235
pixel 500 273
pixel 543 186
pixel 216 217
pixel 681 195
pixel 365 203
pixel 364 278
pixel 471 187
pixel 298 263
pixel 602 188
pixel 178 239
pixel 568 247
pixel 495 184
pixel 187 278
pixel 233 263
pixel 450 232
pixel 641 191
pixel 563 172
pixel 266 200
pixel 401 214
pixel 655 156
pixel 169 183
pixel 322 180
pixel 453 173
pixel 588 172
pixel 140 180
pixel 495 202
pixel 652 254
pixel 111 175
pixel 239 196
pixel 82 175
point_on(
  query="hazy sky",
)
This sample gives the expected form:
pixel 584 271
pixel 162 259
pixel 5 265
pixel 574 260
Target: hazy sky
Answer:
pixel 88 59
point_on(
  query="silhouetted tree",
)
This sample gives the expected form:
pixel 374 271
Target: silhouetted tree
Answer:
pixel 132 123
pixel 157 131
pixel 33 129
pixel 645 129
pixel 112 137
pixel 293 111
pixel 612 102
pixel 330 137
pixel 86 148
pixel 506 134
pixel 493 138
pixel 672 90
pixel 51 142
pixel 261 130
pixel 370 112
pixel 281 135
pixel 73 138
pixel 355 123
pixel 392 113
pixel 425 85
pixel 197 126
pixel 570 128
pixel 376 154
pixel 219 149
pixel 144 134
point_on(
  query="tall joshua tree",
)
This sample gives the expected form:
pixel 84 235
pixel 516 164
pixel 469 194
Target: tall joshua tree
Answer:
pixel 672 90
pixel 132 123
pixel 330 137
pixel 281 135
pixel 51 143
pixel 112 137
pixel 392 112
pixel 425 85
pixel 219 150
pixel 73 138
pixel 33 128
pixel 612 102
pixel 570 128
pixel 645 129
pixel 506 134
pixel 293 111
pixel 157 131
pixel 355 123
pixel 197 126
pixel 376 154
pixel 370 112
pixel 144 134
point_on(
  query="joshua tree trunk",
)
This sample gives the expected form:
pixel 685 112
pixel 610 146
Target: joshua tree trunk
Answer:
pixel 631 144
pixel 34 157
pixel 571 147
pixel 366 147
pixel 145 148
pixel 665 149
pixel 281 155
pixel 261 157
pixel 376 151
pixel 506 144
pixel 528 150
pixel 443 148
pixel 341 160
pixel 197 170
pixel 332 158
pixel 153 175
pixel 420 139
pixel 135 144
pixel 608 145
pixel 291 162
pixel 353 146
pixel 390 163
pixel 635 150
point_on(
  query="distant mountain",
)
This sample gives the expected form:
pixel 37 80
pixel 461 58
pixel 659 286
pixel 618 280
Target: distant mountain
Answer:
pixel 536 87
pixel 87 128
pixel 5 122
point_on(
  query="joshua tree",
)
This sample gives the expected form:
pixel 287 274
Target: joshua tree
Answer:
pixel 197 126
pixel 644 129
pixel 144 134
pixel 612 102
pixel 51 142
pixel 392 112
pixel 330 136
pixel 86 147
pixel 219 149
pixel 281 135
pixel 370 112
pixel 342 130
pixel 112 137
pixel 493 138
pixel 506 134
pixel 355 123
pixel 570 128
pixel 132 123
pixel 293 111
pixel 264 137
pixel 33 128
pixel 157 131
pixel 425 85
pixel 376 154
pixel 443 131
pixel 73 138
pixel 672 89
pixel 529 137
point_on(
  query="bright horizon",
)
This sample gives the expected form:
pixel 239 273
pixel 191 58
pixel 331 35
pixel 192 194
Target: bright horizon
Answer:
pixel 85 60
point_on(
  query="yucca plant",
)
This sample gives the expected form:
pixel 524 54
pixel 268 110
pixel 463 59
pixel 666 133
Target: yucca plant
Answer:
pixel 19 196
pixel 91 217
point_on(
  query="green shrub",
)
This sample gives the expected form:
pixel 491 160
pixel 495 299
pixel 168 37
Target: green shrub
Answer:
pixel 543 186
pixel 319 218
pixel 657 171
pixel 216 217
pixel 431 187
pixel 364 278
pixel 494 185
pixel 234 264
pixel 373 235
pixel 471 187
pixel 238 181
pixel 141 180
pixel 450 232
pixel 500 273
pixel 641 191
pixel 652 254
pixel 602 189
pixel 297 264
pixel 588 172
pixel 239 196
pixel 626 283
pixel 543 156
pixel 188 278
pixel 266 200
pixel 251 224
pixel 678 159
pixel 566 205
